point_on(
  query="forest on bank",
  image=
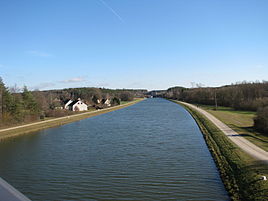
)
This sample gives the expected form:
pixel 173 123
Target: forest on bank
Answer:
pixel 250 96
pixel 23 105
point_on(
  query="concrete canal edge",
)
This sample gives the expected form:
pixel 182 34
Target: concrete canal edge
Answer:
pixel 9 193
pixel 41 125
pixel 239 172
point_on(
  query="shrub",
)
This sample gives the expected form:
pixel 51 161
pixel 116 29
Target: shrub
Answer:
pixel 261 120
pixel 115 101
pixel 126 96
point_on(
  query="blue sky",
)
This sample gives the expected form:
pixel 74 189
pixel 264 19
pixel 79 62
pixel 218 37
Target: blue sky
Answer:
pixel 152 44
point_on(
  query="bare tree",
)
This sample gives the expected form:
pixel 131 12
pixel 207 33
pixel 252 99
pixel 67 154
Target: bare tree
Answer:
pixel 15 89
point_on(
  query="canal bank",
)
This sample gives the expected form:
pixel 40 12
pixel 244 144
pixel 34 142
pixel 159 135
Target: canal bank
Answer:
pixel 33 127
pixel 240 172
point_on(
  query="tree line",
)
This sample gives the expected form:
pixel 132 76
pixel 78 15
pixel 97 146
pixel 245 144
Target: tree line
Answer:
pixel 250 96
pixel 23 106
pixel 17 107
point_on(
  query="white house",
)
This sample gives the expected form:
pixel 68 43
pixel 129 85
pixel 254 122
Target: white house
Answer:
pixel 77 105
pixel 107 102
pixel 66 104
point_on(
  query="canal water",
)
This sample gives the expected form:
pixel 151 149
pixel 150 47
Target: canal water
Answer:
pixel 149 151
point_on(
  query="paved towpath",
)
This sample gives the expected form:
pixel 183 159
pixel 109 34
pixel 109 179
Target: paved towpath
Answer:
pixel 240 141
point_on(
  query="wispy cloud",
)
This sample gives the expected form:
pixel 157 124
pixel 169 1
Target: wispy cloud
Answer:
pixel 73 80
pixel 135 85
pixel 44 85
pixel 112 10
pixel 104 84
pixel 259 67
pixel 38 53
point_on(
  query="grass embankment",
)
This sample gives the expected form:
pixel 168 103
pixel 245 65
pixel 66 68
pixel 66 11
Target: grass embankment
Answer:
pixel 36 126
pixel 239 172
pixel 241 122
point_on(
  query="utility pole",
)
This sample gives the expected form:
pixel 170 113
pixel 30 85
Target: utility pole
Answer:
pixel 2 89
pixel 215 98
pixel 1 103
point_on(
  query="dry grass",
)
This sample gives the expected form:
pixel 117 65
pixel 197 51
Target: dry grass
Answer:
pixel 241 122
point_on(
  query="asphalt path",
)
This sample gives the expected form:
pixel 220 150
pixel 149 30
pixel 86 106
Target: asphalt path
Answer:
pixel 248 147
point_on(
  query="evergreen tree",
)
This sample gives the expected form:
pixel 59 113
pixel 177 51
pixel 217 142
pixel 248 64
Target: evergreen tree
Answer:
pixel 29 101
pixel 17 109
pixel 5 100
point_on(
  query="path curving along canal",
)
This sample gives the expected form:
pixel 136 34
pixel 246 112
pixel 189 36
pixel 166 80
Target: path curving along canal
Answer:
pixel 247 146
pixel 152 150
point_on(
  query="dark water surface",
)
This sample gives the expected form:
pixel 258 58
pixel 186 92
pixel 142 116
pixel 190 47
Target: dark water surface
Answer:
pixel 150 151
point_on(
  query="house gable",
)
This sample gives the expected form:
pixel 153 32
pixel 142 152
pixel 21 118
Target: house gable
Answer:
pixel 78 105
pixel 67 104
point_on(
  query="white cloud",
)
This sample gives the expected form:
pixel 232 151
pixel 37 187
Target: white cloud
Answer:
pixel 38 53
pixel 74 80
pixel 43 85
pixel 256 68
pixel 47 85
pixel 104 84
pixel 135 85
pixel 259 67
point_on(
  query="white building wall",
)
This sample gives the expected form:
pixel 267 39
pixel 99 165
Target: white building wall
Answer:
pixel 108 102
pixel 80 105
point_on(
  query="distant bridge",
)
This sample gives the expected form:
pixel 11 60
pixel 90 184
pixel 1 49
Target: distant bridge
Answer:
pixel 156 93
